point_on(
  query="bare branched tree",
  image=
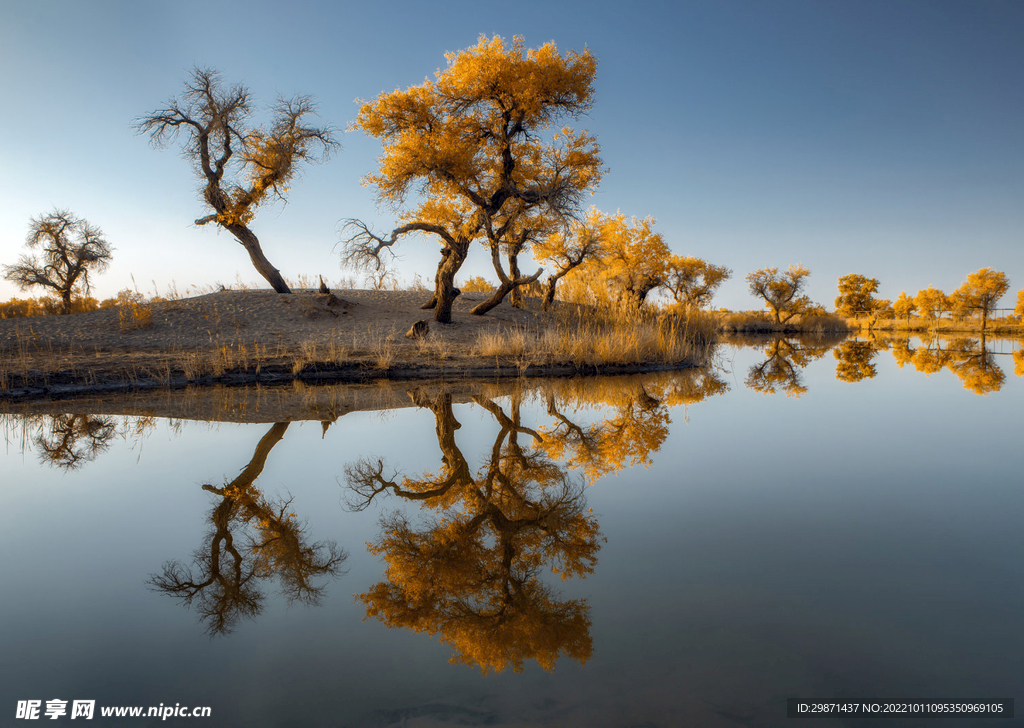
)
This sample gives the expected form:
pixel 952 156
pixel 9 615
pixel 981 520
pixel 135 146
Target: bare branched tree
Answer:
pixel 71 247
pixel 240 166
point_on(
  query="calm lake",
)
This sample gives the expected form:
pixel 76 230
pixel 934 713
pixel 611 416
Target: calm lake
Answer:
pixel 828 523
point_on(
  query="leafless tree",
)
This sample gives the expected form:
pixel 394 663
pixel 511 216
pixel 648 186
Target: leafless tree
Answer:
pixel 70 248
pixel 240 166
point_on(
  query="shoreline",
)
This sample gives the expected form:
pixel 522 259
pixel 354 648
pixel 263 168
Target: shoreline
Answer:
pixel 54 389
pixel 258 337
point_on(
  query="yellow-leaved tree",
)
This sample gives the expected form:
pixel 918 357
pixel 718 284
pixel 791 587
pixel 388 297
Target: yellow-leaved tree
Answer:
pixel 904 306
pixel 983 290
pixel 240 166
pixel 782 293
pixel 692 281
pixel 932 303
pixel 635 260
pixel 856 295
pixel 578 242
pixel 479 147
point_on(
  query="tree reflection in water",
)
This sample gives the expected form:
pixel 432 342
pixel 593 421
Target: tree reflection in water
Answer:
pixel 784 363
pixel 70 441
pixel 969 359
pixel 252 539
pixel 853 360
pixel 471 572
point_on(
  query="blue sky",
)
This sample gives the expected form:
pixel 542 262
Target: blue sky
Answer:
pixel 882 138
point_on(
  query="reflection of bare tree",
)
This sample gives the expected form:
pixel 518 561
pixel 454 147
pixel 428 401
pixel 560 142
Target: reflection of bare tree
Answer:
pixel 251 539
pixel 853 360
pixel 471 574
pixel 781 370
pixel 70 441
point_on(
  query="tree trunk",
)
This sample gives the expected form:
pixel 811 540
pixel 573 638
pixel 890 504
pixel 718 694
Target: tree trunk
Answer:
pixel 515 295
pixel 444 282
pixel 251 244
pixel 65 297
pixel 549 293
pixel 504 288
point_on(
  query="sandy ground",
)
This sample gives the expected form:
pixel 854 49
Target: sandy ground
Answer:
pixel 354 319
pixel 242 337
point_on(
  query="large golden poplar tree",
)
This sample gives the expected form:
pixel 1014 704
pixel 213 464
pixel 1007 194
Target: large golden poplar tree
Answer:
pixel 479 148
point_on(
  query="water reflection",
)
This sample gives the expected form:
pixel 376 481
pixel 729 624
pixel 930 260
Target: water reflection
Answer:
pixel 853 360
pixel 785 360
pixel 68 442
pixel 251 539
pixel 471 573
pixel 969 359
pixel 470 570
pixel 973 361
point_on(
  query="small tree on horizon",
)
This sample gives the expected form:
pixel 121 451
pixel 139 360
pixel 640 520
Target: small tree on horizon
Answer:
pixel 71 247
pixel 983 290
pixel 693 281
pixel 782 293
pixel 932 303
pixel 904 306
pixel 856 295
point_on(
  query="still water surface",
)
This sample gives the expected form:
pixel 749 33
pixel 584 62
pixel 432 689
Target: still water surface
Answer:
pixel 673 549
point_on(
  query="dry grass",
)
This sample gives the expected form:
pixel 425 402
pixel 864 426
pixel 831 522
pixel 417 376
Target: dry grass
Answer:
pixel 384 352
pixel 603 337
pixel 758 322
pixel 1002 326
pixel 256 336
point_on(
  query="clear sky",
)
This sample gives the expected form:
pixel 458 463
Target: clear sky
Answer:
pixel 884 138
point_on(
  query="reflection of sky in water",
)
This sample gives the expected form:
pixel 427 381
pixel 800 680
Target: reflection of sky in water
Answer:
pixel 861 541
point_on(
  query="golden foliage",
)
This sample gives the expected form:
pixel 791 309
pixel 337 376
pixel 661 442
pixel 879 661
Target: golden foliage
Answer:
pixel 133 311
pixel 477 284
pixel 856 295
pixel 692 281
pixel 782 293
pixel 932 303
pixel 478 143
pixel 904 306
pixel 853 361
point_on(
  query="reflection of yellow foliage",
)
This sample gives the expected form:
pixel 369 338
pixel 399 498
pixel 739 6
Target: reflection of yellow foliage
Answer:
pixel 471 575
pixel 968 359
pixel 929 361
pixel 782 368
pixel 902 352
pixel 854 361
pixel 1018 362
pixel 471 572
pixel 974 365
